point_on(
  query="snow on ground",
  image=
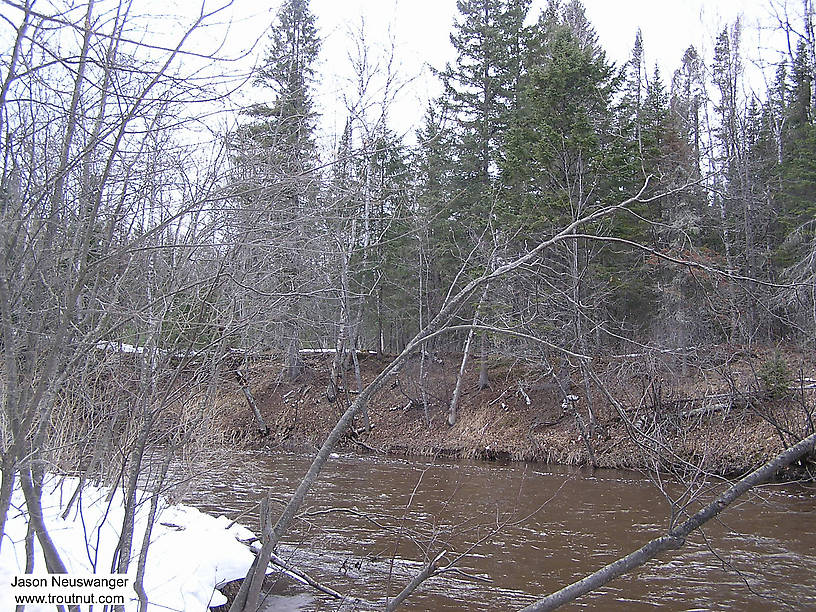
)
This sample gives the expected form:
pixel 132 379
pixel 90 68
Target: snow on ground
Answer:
pixel 191 553
pixel 118 347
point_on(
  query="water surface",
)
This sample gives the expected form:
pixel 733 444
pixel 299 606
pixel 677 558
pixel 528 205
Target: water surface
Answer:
pixel 518 532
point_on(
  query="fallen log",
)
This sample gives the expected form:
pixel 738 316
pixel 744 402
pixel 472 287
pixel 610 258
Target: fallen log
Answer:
pixel 244 384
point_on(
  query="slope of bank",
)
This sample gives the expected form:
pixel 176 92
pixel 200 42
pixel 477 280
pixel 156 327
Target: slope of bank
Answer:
pixel 726 417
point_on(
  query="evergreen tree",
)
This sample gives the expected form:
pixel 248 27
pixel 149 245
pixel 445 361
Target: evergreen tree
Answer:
pixel 480 93
pixel 395 307
pixel 798 166
pixel 562 139
pixel 565 156
pixel 687 209
pixel 276 149
pixel 277 145
pixel 480 90
pixel 288 70
pixel 687 98
pixel 433 178
pixel 274 159
pixel 634 89
pixel 796 196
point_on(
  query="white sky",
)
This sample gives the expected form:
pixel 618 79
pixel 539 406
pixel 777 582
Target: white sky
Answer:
pixel 420 32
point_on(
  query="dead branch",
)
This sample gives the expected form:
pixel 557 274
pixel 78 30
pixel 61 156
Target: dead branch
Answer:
pixel 676 537
pixel 429 570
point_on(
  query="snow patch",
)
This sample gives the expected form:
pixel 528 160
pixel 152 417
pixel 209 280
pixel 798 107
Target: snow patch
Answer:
pixel 191 553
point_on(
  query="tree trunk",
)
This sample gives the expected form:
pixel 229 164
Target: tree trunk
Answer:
pixel 29 556
pixel 125 545
pixel 428 571
pixel 484 379
pixel 457 390
pixel 424 353
pixel 244 384
pixel 6 490
pixel 810 41
pixel 294 364
pixel 359 378
pixel 138 582
pixel 32 491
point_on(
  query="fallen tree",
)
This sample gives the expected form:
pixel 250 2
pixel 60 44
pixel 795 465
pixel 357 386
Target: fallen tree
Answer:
pixel 676 537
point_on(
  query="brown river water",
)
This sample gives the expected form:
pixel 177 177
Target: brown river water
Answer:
pixel 518 532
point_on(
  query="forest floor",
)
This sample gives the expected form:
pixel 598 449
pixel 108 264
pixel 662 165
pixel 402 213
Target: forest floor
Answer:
pixel 726 416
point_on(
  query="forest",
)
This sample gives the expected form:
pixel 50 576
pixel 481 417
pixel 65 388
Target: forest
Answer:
pixel 596 241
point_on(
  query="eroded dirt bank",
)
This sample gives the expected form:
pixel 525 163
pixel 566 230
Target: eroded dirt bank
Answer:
pixel 725 417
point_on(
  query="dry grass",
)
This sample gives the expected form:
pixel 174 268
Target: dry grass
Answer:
pixel 498 422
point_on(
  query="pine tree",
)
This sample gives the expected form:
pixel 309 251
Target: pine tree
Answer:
pixel 793 109
pixel 434 176
pixel 391 268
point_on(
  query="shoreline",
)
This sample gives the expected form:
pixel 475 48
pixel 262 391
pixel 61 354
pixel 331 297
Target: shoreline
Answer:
pixel 522 421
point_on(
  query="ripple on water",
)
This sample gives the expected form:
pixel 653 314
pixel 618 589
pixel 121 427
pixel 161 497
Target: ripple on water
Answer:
pixel 546 543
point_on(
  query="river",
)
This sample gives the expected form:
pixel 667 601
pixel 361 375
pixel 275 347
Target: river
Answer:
pixel 517 531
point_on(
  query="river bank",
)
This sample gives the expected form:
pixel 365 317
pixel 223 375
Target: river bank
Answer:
pixel 725 417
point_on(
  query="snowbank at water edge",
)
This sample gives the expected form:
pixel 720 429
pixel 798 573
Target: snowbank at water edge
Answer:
pixel 190 553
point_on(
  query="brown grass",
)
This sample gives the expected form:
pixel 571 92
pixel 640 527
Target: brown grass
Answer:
pixel 497 423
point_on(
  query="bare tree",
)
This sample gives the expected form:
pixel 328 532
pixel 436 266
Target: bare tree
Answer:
pixel 103 237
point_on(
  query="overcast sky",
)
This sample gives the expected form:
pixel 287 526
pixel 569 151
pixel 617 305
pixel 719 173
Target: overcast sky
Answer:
pixel 420 31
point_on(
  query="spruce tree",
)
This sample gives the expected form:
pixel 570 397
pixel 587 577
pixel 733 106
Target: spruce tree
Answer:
pixel 687 99
pixel 285 126
pixel 564 121
pixel 275 159
pixel 480 92
pixel 434 175
pixel 797 188
pixel 574 148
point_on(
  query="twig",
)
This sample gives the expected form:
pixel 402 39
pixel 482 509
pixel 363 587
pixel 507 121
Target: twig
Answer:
pixel 428 571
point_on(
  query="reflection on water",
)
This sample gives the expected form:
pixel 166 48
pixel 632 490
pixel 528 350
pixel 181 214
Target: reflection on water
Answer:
pixel 287 603
pixel 518 532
